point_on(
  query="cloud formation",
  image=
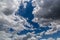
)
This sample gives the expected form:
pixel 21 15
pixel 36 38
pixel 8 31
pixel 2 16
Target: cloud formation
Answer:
pixel 42 15
pixel 8 19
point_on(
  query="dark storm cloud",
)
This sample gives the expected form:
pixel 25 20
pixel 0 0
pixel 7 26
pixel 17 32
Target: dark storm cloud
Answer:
pixel 50 9
pixel 55 11
pixel 54 14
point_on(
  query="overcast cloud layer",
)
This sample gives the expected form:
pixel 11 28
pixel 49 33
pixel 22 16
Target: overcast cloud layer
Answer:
pixel 8 19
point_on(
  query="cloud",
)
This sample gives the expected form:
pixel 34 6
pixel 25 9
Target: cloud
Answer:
pixel 8 19
pixel 50 39
pixel 41 14
pixel 58 38
pixel 8 6
pixel 46 9
pixel 4 35
pixel 55 27
pixel 28 36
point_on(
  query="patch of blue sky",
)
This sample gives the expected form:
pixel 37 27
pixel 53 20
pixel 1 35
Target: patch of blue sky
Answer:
pixel 11 30
pixel 27 13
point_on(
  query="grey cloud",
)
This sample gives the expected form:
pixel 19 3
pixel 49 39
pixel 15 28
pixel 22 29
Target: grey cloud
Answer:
pixel 50 9
pixel 8 11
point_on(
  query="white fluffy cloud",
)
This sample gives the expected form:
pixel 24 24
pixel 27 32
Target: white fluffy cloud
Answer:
pixel 8 19
pixel 7 15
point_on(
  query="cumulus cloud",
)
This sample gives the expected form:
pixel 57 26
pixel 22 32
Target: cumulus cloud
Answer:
pixel 44 14
pixel 8 19
pixel 8 6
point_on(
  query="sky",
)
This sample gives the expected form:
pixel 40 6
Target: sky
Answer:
pixel 29 20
